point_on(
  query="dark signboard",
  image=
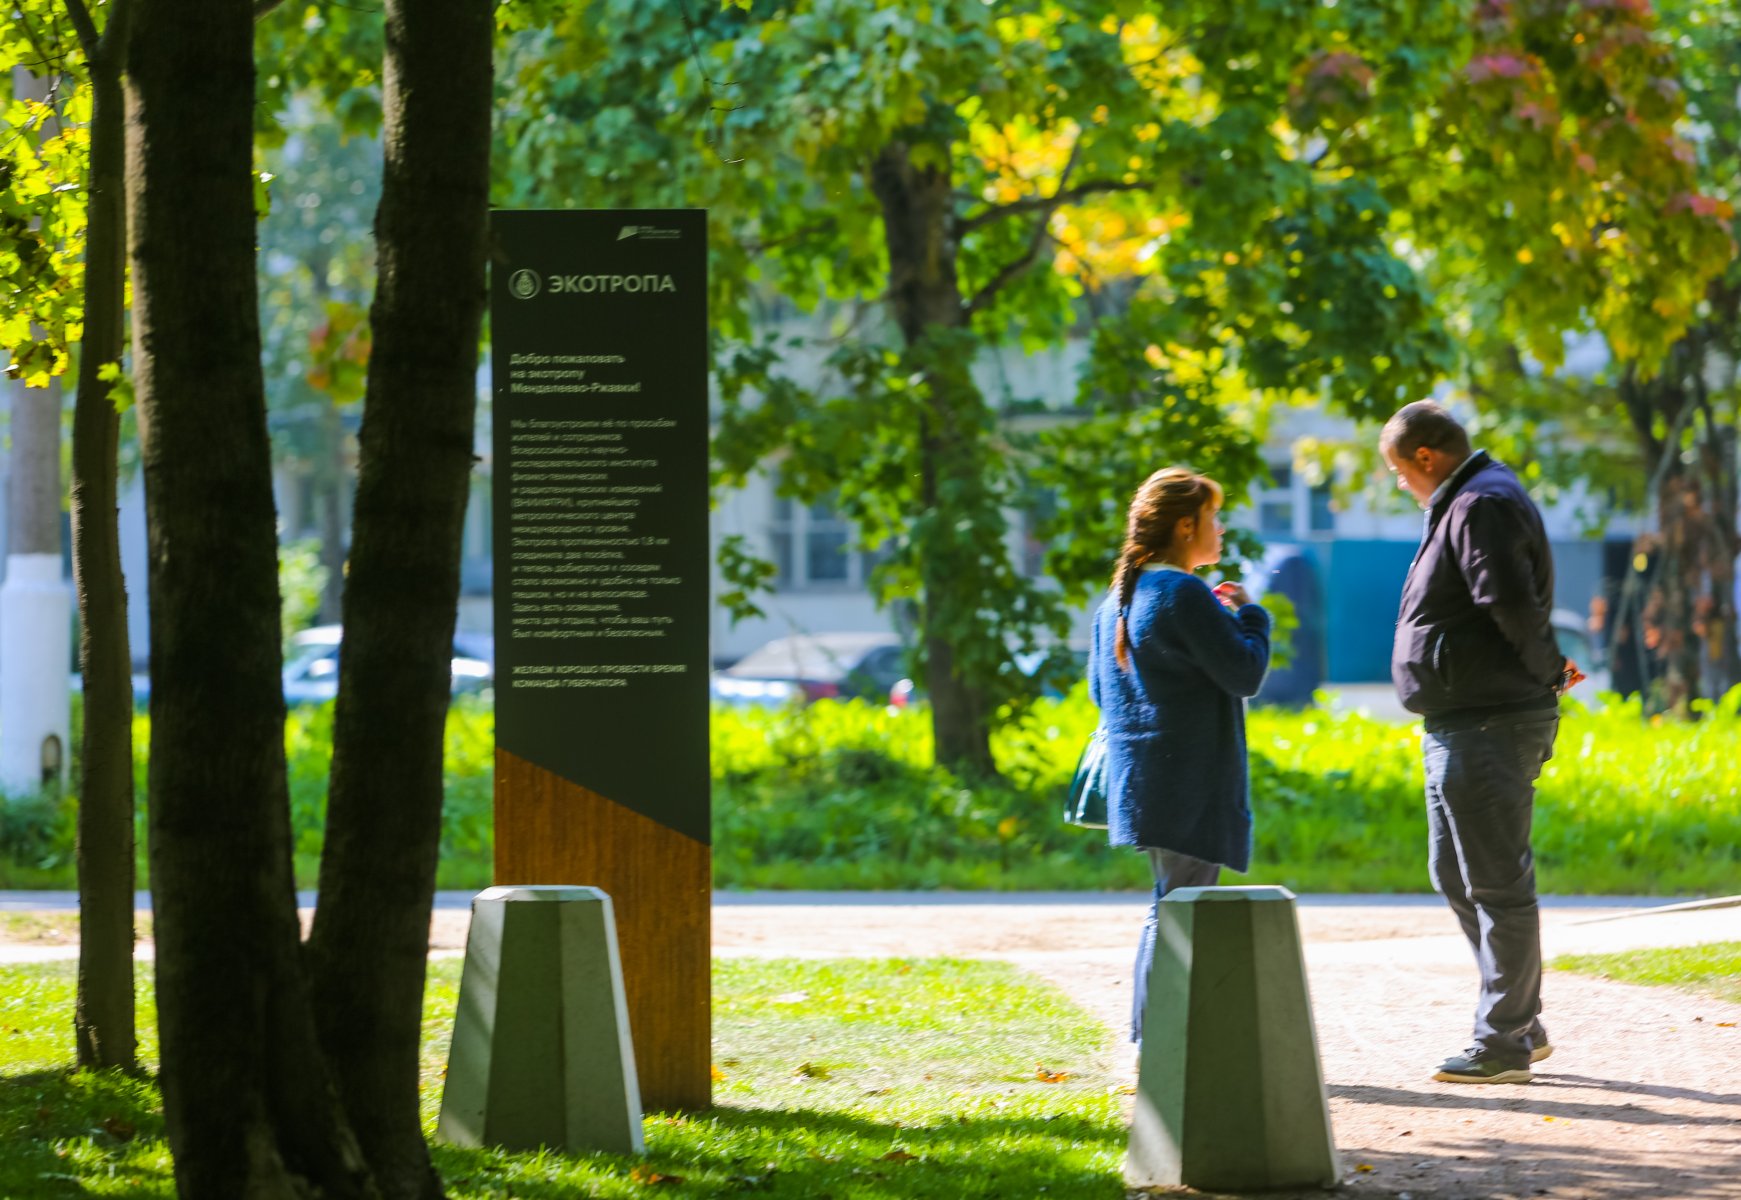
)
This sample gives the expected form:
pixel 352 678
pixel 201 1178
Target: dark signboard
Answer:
pixel 599 373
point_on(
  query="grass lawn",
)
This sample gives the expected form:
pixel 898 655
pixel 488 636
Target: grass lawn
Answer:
pixel 1712 970
pixel 910 1079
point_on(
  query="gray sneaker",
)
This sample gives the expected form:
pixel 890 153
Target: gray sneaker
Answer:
pixel 1478 1065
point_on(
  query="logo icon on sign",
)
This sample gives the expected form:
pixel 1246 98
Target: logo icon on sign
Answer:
pixel 524 284
pixel 628 231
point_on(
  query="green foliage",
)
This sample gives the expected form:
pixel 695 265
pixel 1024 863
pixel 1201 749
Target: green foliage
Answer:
pixel 842 795
pixel 832 795
pixel 1711 970
pixel 745 576
pixel 916 1077
pixel 38 834
pixel 1235 208
pixel 44 159
pixel 301 580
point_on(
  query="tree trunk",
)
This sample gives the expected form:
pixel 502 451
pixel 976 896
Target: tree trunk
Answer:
pixel 925 299
pixel 248 1106
pixel 330 472
pixel 369 945
pixel 103 1018
pixel 1688 620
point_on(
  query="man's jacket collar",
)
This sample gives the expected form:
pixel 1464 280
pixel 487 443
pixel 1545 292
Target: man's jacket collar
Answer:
pixel 1463 474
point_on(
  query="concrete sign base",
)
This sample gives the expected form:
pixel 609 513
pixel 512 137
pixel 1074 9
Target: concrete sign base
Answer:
pixel 1230 1093
pixel 541 1054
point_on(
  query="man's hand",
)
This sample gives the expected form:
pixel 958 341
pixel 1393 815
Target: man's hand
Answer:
pixel 1570 678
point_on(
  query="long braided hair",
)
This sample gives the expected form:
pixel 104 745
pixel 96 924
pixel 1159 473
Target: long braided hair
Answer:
pixel 1165 498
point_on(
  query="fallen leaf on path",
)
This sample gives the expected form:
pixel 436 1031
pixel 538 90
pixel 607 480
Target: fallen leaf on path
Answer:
pixel 1045 1076
pixel 812 1071
pixel 1363 1167
pixel 1725 1024
pixel 791 997
pixel 718 1075
pixel 899 1156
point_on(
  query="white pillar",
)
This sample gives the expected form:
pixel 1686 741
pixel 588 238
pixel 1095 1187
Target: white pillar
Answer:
pixel 35 669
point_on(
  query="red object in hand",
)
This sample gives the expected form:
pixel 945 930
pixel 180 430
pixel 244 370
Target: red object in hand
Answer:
pixel 1571 677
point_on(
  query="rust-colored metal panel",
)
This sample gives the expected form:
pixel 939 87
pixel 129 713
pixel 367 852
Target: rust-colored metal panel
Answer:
pixel 551 831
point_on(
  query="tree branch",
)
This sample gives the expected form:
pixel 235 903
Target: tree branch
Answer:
pixel 1046 206
pixel 264 8
pixel 1056 200
pixel 86 28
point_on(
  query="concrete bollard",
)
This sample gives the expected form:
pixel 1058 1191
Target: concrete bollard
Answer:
pixel 541 1053
pixel 1230 1092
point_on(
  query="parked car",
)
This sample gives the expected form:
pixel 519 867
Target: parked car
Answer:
pixel 807 667
pixel 1059 680
pixel 311 668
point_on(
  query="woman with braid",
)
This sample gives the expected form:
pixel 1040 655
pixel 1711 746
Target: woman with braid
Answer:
pixel 1171 665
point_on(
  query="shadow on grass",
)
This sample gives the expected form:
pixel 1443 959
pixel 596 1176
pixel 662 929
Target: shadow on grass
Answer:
pixel 58 1127
pixel 825 1155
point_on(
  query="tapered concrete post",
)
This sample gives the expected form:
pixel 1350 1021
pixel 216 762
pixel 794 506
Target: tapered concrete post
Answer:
pixel 541 1054
pixel 1230 1093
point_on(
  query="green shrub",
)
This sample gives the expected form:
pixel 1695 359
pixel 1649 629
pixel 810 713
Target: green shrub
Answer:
pixel 841 795
pixel 1627 806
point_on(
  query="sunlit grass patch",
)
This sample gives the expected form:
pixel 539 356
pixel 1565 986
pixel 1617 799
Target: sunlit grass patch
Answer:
pixel 1711 970
pixel 911 1078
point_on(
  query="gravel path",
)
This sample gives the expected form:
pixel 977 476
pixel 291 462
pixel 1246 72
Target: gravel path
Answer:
pixel 1641 1098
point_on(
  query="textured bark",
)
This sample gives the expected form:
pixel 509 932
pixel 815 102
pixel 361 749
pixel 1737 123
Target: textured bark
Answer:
pixel 103 1018
pixel 369 944
pixel 925 296
pixel 1687 621
pixel 330 487
pixel 247 1104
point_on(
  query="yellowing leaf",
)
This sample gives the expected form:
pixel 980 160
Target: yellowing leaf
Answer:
pixel 646 1175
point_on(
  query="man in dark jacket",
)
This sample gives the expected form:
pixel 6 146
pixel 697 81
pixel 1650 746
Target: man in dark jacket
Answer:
pixel 1475 655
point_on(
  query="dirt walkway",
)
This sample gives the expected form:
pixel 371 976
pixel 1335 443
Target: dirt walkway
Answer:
pixel 1642 1097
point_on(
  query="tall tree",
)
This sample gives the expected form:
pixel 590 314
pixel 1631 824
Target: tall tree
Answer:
pixel 369 943
pixel 105 1017
pixel 71 185
pixel 1606 197
pixel 1010 176
pixel 248 1104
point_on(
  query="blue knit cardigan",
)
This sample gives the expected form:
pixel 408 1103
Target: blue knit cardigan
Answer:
pixel 1174 723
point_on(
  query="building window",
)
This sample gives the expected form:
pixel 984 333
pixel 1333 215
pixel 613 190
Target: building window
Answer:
pixel 1275 504
pixel 812 546
pixel 1322 514
pixel 1292 508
